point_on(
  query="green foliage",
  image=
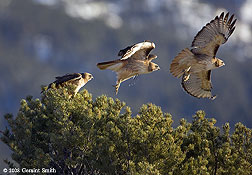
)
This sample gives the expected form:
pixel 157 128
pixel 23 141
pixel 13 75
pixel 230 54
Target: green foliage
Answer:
pixel 80 136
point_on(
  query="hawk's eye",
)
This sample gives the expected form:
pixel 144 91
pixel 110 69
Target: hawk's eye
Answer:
pixel 216 64
pixel 90 76
pixel 157 67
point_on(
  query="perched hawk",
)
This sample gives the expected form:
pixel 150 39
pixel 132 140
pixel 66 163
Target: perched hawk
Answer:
pixel 195 65
pixel 77 79
pixel 135 60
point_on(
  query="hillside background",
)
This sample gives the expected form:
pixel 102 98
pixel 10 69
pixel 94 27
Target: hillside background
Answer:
pixel 41 39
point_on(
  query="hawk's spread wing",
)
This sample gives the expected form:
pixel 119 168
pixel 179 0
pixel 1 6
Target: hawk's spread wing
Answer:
pixel 137 51
pixel 124 51
pixel 213 34
pixel 67 78
pixel 199 85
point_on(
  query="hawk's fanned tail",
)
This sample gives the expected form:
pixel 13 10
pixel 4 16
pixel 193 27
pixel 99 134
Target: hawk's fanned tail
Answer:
pixel 181 62
pixel 112 65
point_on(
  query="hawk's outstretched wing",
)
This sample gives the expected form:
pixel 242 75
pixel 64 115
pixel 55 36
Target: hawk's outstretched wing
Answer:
pixel 124 51
pixel 212 35
pixel 137 51
pixel 199 85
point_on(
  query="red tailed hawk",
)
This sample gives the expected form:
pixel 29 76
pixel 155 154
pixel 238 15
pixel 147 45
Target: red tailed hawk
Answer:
pixel 195 65
pixel 77 79
pixel 135 60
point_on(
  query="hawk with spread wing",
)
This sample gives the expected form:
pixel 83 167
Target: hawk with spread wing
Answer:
pixel 135 60
pixel 77 79
pixel 195 65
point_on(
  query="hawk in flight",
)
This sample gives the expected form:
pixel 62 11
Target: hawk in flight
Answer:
pixel 195 65
pixel 77 79
pixel 135 60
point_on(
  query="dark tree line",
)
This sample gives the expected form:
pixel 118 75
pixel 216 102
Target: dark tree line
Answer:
pixel 84 136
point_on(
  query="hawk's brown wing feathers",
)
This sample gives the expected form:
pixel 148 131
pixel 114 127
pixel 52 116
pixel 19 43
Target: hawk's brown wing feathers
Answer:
pixel 69 77
pixel 65 78
pixel 213 34
pixel 199 85
pixel 124 51
pixel 137 51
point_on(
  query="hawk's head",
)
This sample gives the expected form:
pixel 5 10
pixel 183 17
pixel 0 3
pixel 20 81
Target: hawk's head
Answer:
pixel 153 67
pixel 87 76
pixel 218 62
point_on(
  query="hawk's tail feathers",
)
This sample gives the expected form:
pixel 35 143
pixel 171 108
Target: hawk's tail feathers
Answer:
pixel 181 62
pixel 112 65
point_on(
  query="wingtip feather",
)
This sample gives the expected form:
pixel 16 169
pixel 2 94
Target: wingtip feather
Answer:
pixel 222 15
